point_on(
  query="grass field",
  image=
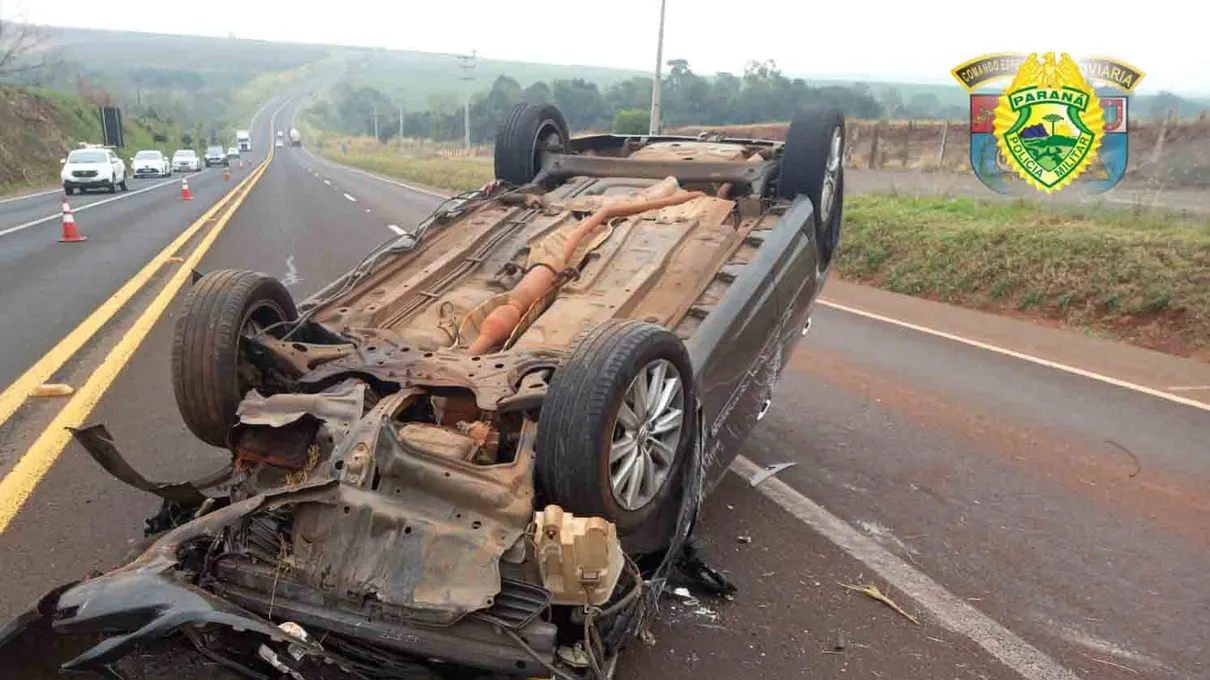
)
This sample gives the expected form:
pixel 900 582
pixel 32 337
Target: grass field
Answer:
pixel 1138 276
pixel 416 162
pixel 1143 277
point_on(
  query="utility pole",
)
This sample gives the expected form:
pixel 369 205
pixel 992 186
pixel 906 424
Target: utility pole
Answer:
pixel 468 67
pixel 654 127
pixel 401 123
pixel 376 139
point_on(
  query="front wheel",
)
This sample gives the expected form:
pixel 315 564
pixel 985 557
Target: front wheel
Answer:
pixel 210 374
pixel 616 429
pixel 124 185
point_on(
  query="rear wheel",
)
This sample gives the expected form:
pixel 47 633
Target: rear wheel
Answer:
pixel 616 428
pixel 529 131
pixel 813 164
pixel 210 376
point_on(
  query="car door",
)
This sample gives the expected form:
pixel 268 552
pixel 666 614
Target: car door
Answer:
pixel 736 351
pixel 797 277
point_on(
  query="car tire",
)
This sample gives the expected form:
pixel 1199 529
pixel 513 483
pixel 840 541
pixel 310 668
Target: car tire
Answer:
pixel 583 435
pixel 69 190
pixel 124 185
pixel 527 132
pixel 113 187
pixel 206 364
pixel 812 158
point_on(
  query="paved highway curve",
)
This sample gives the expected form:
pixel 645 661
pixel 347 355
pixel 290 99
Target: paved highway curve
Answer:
pixel 1038 523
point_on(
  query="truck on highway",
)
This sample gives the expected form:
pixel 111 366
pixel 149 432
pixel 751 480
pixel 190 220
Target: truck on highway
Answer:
pixel 244 140
pixel 295 137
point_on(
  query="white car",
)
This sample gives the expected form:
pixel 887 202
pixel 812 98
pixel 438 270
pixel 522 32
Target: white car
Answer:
pixel 93 168
pixel 279 144
pixel 232 152
pixel 150 163
pixel 186 160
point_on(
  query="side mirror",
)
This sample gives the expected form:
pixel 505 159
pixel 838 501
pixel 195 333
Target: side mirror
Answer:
pixel 62 161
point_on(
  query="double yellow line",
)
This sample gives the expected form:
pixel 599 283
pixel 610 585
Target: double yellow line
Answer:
pixel 19 483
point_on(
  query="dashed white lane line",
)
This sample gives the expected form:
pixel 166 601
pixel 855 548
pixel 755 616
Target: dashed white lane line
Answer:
pixel 1149 391
pixel 1190 388
pixel 947 609
pixel 397 229
pixel 111 199
pixel 367 210
pixel 328 182
pixel 350 198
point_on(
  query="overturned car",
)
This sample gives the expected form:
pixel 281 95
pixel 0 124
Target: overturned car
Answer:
pixel 481 451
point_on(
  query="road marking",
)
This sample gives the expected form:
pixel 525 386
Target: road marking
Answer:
pixel 16 393
pixel 396 228
pixel 19 483
pixel 1149 391
pixel 32 466
pixel 350 198
pixel 329 183
pixel 25 196
pixel 947 609
pixel 58 215
pixel 1191 388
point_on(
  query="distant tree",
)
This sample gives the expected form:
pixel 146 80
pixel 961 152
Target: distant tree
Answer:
pixel 632 122
pixel 1166 103
pixel 580 101
pixel 538 93
pixel 22 50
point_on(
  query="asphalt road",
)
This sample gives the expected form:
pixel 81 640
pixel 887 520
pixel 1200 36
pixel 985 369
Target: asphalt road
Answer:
pixel 50 286
pixel 1037 524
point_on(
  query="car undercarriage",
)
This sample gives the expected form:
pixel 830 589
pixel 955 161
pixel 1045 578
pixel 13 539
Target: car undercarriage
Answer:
pixel 482 451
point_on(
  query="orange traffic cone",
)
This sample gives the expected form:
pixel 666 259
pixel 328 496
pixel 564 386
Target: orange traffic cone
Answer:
pixel 226 174
pixel 186 195
pixel 70 233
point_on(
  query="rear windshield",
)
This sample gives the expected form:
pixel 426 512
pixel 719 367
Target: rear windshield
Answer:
pixel 87 156
pixel 147 156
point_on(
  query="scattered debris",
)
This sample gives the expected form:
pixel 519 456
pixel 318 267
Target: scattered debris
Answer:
pixel 684 594
pixel 841 641
pixel 52 390
pixel 175 260
pixel 1138 467
pixel 744 539
pixel 647 637
pixel 1115 665
pixel 768 472
pixel 874 592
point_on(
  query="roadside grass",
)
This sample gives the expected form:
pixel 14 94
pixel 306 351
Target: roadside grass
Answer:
pixel 1140 276
pixel 413 161
pixel 1137 275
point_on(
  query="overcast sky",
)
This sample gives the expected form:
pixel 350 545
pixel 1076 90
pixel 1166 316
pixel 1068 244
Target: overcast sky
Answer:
pixel 882 40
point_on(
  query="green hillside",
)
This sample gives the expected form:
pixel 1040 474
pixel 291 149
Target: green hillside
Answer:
pixel 39 127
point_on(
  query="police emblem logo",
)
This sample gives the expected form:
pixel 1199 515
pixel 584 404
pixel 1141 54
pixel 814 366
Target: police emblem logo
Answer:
pixel 1050 127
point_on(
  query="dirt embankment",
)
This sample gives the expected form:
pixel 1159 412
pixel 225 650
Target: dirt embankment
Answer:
pixel 1173 153
pixel 37 128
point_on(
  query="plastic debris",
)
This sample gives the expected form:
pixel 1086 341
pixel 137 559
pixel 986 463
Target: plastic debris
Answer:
pixel 52 390
pixel 768 472
pixel 875 593
pixel 744 539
